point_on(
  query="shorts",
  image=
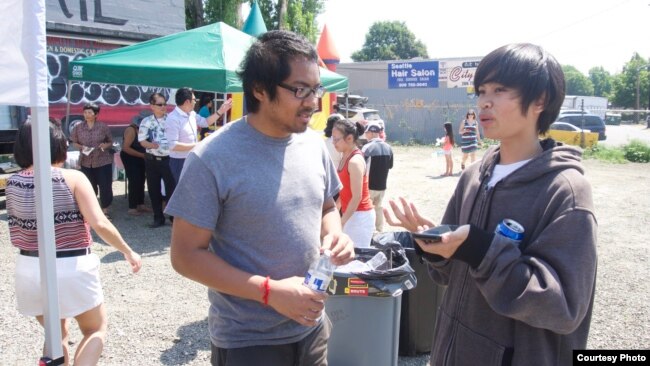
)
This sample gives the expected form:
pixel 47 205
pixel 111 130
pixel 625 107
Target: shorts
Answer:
pixel 360 227
pixel 447 152
pixel 78 283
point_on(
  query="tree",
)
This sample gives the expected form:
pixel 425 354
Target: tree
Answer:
pixel 227 11
pixel 295 15
pixel 576 82
pixel 194 14
pixel 625 84
pixel 390 40
pixel 602 81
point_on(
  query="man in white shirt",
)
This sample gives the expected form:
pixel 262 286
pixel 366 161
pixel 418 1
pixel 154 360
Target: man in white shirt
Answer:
pixel 182 127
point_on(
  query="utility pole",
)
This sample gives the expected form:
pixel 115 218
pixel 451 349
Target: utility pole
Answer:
pixel 582 123
pixel 638 94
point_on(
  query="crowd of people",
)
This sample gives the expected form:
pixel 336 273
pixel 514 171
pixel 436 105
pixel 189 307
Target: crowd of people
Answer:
pixel 249 226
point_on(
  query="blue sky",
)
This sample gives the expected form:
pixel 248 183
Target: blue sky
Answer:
pixel 582 33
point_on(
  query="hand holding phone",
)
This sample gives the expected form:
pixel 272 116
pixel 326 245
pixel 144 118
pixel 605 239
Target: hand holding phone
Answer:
pixel 433 235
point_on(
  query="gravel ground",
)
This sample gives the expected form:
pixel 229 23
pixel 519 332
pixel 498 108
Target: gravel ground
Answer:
pixel 158 317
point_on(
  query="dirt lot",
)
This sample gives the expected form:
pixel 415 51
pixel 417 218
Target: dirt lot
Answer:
pixel 157 317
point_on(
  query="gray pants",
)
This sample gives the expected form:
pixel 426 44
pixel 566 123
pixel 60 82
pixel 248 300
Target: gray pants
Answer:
pixel 309 351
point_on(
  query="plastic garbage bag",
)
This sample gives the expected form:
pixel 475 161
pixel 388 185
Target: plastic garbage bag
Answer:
pixel 393 279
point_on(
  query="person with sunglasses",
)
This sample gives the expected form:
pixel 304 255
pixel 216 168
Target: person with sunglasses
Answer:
pixel 254 208
pixel 151 136
pixel 470 137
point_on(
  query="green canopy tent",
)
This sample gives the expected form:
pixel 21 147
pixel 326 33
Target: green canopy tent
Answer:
pixel 204 58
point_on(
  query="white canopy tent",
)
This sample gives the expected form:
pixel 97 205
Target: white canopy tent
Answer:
pixel 23 82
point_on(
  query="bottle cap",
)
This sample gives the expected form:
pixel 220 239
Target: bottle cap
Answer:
pixel 327 253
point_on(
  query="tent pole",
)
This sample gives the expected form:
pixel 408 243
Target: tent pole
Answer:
pixel 67 104
pixel 45 231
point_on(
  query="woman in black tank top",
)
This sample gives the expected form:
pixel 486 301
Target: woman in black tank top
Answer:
pixel 132 156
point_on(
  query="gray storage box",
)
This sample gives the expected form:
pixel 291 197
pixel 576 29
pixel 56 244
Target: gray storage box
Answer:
pixel 365 330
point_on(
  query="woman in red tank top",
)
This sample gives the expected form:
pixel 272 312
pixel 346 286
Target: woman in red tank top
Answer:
pixel 358 216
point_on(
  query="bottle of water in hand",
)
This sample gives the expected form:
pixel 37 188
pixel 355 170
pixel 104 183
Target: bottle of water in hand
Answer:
pixel 320 272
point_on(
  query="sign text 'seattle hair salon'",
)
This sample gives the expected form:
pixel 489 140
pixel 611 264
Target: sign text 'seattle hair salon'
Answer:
pixel 403 75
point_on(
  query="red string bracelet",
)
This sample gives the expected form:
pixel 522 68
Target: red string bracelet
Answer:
pixel 265 289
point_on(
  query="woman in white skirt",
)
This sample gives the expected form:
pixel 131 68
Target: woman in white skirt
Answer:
pixel 358 215
pixel 75 210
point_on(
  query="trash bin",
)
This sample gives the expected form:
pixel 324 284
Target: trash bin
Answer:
pixel 420 305
pixel 364 309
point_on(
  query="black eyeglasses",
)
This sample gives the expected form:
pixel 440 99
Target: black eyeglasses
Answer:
pixel 303 93
pixel 160 104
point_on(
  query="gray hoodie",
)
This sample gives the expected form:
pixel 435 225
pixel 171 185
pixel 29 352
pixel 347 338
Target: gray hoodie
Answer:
pixel 526 304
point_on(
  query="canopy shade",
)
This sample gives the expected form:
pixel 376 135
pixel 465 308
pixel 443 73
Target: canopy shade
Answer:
pixel 205 58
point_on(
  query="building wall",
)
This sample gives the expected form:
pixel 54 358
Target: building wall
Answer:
pixel 120 19
pixel 414 115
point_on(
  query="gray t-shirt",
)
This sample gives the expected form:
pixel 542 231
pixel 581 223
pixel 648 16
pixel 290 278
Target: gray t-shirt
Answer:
pixel 263 197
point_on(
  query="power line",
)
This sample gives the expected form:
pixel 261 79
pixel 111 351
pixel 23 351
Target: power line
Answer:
pixel 582 20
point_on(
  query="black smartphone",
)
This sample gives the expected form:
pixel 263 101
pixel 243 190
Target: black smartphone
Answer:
pixel 433 235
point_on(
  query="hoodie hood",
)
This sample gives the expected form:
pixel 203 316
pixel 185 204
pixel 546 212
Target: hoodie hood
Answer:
pixel 555 156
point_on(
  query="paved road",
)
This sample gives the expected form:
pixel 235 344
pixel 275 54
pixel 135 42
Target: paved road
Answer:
pixel 621 135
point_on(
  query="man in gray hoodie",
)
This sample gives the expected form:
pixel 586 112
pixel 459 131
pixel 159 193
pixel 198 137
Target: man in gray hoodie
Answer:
pixel 512 302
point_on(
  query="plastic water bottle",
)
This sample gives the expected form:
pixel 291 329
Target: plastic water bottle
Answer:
pixel 320 272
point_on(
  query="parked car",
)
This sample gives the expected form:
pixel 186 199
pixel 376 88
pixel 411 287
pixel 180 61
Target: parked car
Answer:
pixel 362 115
pixel 587 121
pixel 355 110
pixel 573 111
pixel 613 118
pixel 572 135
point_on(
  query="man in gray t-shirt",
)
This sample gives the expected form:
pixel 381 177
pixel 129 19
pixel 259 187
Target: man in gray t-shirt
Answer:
pixel 253 209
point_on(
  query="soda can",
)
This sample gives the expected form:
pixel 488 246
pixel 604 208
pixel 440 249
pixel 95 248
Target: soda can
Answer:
pixel 511 229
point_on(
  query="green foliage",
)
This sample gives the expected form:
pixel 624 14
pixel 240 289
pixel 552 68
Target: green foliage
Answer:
pixel 268 8
pixel 226 11
pixel 300 18
pixel 201 12
pixel 602 81
pixel 600 152
pixel 576 82
pixel 625 83
pixel 637 151
pixel 390 40
pixel 193 14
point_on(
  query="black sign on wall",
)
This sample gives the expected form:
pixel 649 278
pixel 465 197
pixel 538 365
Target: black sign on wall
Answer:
pixel 146 17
